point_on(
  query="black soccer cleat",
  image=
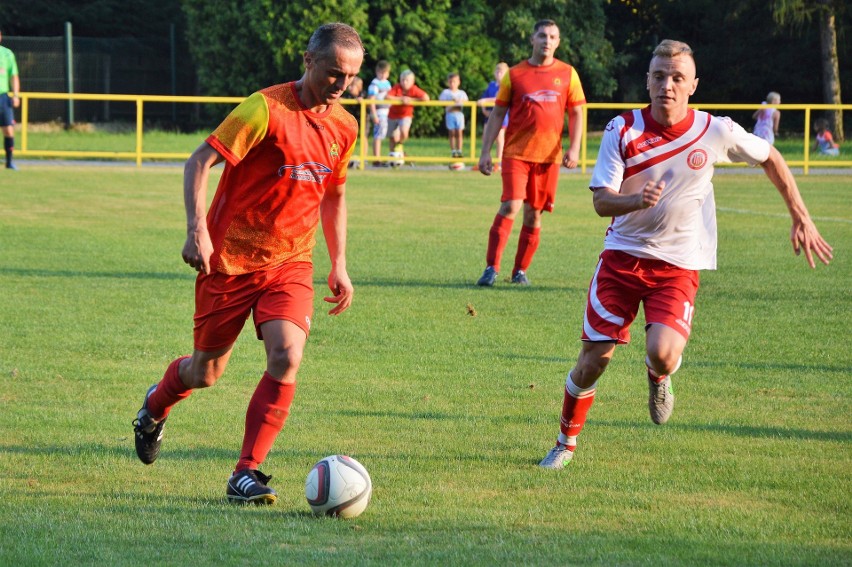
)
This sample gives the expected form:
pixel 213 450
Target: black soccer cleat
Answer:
pixel 248 486
pixel 148 433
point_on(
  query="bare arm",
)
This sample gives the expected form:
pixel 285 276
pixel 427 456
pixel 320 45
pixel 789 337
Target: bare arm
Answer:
pixel 803 234
pixel 776 120
pixel 575 135
pixel 489 134
pixel 610 203
pixel 16 89
pixel 333 213
pixel 198 247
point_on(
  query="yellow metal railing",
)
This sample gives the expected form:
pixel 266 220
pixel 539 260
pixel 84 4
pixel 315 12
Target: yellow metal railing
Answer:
pixel 362 152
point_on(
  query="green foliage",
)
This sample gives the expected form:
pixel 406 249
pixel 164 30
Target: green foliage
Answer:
pixel 432 38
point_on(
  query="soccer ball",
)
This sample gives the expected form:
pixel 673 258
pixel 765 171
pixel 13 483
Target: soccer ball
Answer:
pixel 457 166
pixel 397 159
pixel 338 486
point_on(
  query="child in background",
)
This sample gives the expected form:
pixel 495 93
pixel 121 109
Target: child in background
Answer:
pixel 378 88
pixel 454 114
pixel 486 101
pixel 767 119
pixel 400 116
pixel 354 92
pixel 824 140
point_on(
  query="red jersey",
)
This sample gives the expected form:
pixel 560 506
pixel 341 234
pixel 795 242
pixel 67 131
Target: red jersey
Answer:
pixel 403 110
pixel 280 158
pixel 538 98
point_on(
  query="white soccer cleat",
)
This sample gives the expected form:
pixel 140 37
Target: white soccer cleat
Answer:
pixel 557 458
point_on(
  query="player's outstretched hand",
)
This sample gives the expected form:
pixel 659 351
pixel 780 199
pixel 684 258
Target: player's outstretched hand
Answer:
pixel 341 287
pixel 651 193
pixel 805 236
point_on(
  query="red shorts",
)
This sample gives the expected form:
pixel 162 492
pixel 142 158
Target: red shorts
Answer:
pixel 223 302
pixel 533 183
pixel 621 281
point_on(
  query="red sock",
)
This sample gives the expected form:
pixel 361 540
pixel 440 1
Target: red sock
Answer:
pixel 169 392
pixel 498 236
pixel 527 245
pixel 265 417
pixel 575 406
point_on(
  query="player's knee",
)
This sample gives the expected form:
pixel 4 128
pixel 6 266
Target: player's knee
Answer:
pixel 664 363
pixel 284 360
pixel 588 370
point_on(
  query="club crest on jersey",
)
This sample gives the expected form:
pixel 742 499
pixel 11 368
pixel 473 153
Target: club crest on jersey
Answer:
pixel 543 95
pixel 557 81
pixel 307 171
pixel 335 150
pixel 696 159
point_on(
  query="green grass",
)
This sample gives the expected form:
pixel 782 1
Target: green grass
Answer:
pixel 449 412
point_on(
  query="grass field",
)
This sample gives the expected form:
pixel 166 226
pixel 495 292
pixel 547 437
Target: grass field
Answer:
pixel 449 411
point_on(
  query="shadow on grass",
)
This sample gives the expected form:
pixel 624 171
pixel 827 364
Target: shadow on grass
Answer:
pixel 738 430
pixel 42 273
pixel 846 370
pixel 462 285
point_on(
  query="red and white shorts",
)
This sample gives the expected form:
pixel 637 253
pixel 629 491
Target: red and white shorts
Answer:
pixel 223 303
pixel 533 183
pixel 622 281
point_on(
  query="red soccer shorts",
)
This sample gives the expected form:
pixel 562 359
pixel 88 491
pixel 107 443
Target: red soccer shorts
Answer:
pixel 621 281
pixel 533 183
pixel 223 302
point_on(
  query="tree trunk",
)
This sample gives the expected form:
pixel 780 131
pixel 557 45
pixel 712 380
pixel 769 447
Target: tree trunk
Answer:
pixel 830 69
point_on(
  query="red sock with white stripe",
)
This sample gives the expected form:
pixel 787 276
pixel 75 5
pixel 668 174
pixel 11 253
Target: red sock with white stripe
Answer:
pixel 169 392
pixel 498 236
pixel 265 417
pixel 575 406
pixel 527 246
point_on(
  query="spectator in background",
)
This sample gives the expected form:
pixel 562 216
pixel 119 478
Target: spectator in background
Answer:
pixel 377 90
pixel 824 140
pixel 354 92
pixel 400 116
pixel 486 101
pixel 8 78
pixel 767 119
pixel 454 114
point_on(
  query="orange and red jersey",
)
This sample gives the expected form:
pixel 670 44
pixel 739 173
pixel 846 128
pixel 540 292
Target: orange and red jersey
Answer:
pixel 280 158
pixel 538 97
pixel 403 110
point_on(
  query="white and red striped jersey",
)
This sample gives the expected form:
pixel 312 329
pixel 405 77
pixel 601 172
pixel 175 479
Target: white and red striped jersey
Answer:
pixel 681 228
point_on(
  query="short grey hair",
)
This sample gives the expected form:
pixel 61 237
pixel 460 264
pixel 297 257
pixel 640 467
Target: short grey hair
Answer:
pixel 338 34
pixel 404 74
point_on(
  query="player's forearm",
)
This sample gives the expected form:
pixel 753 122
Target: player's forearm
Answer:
pixel 334 220
pixel 575 129
pixel 780 175
pixel 492 128
pixel 195 178
pixel 16 85
pixel 609 203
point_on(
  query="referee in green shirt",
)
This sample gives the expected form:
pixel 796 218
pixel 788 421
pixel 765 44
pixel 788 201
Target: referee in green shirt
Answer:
pixel 8 78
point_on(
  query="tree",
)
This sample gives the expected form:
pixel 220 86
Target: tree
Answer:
pixel 796 13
